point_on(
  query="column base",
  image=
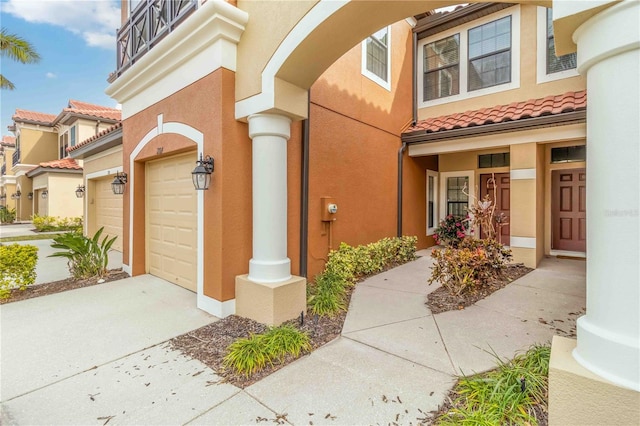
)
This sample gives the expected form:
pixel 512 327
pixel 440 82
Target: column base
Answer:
pixel 579 397
pixel 271 303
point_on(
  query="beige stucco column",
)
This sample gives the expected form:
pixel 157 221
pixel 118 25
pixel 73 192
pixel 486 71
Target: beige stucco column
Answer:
pixel 269 293
pixel 600 384
pixel 526 194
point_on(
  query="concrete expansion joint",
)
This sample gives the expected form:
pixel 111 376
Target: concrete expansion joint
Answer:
pixel 388 323
pixel 444 344
pixel 215 406
pixel 399 357
pixel 388 289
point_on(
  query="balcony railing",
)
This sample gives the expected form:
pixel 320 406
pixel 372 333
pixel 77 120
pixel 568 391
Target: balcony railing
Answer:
pixel 151 21
pixel 16 157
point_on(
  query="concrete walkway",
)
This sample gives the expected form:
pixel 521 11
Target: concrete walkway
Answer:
pixel 97 354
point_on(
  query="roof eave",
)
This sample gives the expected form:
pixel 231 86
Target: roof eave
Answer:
pixel 101 144
pixel 566 118
pixel 41 170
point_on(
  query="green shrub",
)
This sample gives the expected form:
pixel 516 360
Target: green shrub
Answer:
pixel 51 223
pixel 87 257
pixel 249 355
pixel 17 267
pixel 327 296
pixel 7 215
pixel 497 397
pixel 469 267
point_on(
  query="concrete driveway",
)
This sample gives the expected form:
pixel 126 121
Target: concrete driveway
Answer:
pixel 99 354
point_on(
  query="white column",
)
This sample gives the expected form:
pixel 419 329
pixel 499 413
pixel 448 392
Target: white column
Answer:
pixel 269 133
pixel 608 341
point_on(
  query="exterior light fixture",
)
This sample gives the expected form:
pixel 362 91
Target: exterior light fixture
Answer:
pixel 18 194
pixel 201 175
pixel 117 186
pixel 80 191
pixel 44 194
pixel 30 195
pixel 3 197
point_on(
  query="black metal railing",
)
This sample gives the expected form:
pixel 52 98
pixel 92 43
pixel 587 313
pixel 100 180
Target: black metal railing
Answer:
pixel 151 21
pixel 15 159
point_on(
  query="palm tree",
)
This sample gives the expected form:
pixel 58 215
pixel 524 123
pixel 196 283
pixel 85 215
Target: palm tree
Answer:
pixel 18 49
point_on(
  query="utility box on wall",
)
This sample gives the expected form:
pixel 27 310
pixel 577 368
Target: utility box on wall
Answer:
pixel 329 208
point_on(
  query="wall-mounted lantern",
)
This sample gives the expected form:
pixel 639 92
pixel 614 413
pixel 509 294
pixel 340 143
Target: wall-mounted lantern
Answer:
pixel 17 194
pixel 201 175
pixel 80 191
pixel 3 197
pixel 30 195
pixel 117 186
pixel 45 194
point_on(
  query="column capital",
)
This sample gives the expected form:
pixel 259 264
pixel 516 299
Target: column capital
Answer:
pixel 265 124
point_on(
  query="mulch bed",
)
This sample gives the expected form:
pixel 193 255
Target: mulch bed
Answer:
pixel 38 290
pixel 440 300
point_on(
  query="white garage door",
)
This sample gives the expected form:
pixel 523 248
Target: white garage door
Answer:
pixel 108 211
pixel 171 220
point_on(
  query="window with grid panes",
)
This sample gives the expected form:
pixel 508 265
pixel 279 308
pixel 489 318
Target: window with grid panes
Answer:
pixel 490 54
pixel 377 54
pixel 442 68
pixel 555 63
pixel 457 200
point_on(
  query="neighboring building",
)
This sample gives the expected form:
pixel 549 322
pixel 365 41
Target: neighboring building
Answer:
pixel 494 101
pixel 101 155
pixel 45 179
pixel 7 179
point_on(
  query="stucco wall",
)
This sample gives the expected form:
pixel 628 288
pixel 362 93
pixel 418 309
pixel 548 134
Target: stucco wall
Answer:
pixel 37 146
pixel 100 162
pixel 62 198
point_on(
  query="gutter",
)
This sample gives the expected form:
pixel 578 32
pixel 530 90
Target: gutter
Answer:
pixel 304 191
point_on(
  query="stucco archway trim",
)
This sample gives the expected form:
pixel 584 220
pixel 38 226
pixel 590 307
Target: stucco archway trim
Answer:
pixel 208 304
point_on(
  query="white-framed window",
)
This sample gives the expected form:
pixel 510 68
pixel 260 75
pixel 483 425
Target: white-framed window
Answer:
pixel 452 192
pixel 72 135
pixel 376 57
pixel 432 201
pixel 549 66
pixel 470 60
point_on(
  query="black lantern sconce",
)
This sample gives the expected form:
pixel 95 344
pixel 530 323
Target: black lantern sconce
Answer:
pixel 117 186
pixel 18 194
pixel 3 197
pixel 80 191
pixel 201 175
pixel 45 194
pixel 30 195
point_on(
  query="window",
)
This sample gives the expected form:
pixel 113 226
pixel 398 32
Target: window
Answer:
pixel 63 144
pixel 493 160
pixel 432 201
pixel 376 57
pixel 442 68
pixel 569 154
pixel 457 200
pixel 72 132
pixel 550 67
pixel 490 54
pixel 472 59
pixel 554 63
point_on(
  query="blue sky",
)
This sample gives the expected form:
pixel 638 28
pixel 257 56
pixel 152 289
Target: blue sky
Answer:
pixel 76 40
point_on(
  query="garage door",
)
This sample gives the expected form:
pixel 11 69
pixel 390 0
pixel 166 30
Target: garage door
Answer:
pixel 107 211
pixel 171 220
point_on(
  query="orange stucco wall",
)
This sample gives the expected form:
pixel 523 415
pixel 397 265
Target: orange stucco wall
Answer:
pixel 355 127
pixel 207 105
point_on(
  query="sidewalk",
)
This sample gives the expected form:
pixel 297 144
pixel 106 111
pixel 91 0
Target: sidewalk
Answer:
pixel 395 361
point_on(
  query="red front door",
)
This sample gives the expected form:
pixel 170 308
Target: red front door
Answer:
pixel 569 210
pixel 502 187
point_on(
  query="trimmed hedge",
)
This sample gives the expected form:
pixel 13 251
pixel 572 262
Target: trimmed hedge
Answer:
pixel 52 223
pixel 17 267
pixel 345 265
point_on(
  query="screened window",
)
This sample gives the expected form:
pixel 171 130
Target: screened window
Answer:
pixel 569 154
pixel 64 143
pixel 378 54
pixel 555 63
pixel 72 134
pixel 490 54
pixel 442 68
pixel 457 200
pixel 493 160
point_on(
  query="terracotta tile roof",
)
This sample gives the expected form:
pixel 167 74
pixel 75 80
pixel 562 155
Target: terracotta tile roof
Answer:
pixel 95 137
pixel 550 105
pixel 39 117
pixel 8 141
pixel 93 110
pixel 65 163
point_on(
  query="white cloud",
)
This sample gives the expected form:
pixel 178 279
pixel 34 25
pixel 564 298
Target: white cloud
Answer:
pixel 94 20
pixel 51 75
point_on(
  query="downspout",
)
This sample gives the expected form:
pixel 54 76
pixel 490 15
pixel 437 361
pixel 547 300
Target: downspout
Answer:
pixel 403 148
pixel 304 191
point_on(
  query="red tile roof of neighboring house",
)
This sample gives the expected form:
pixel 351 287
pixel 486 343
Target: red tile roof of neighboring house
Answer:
pixel 8 141
pixel 99 111
pixel 95 137
pixel 39 117
pixel 65 163
pixel 550 105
